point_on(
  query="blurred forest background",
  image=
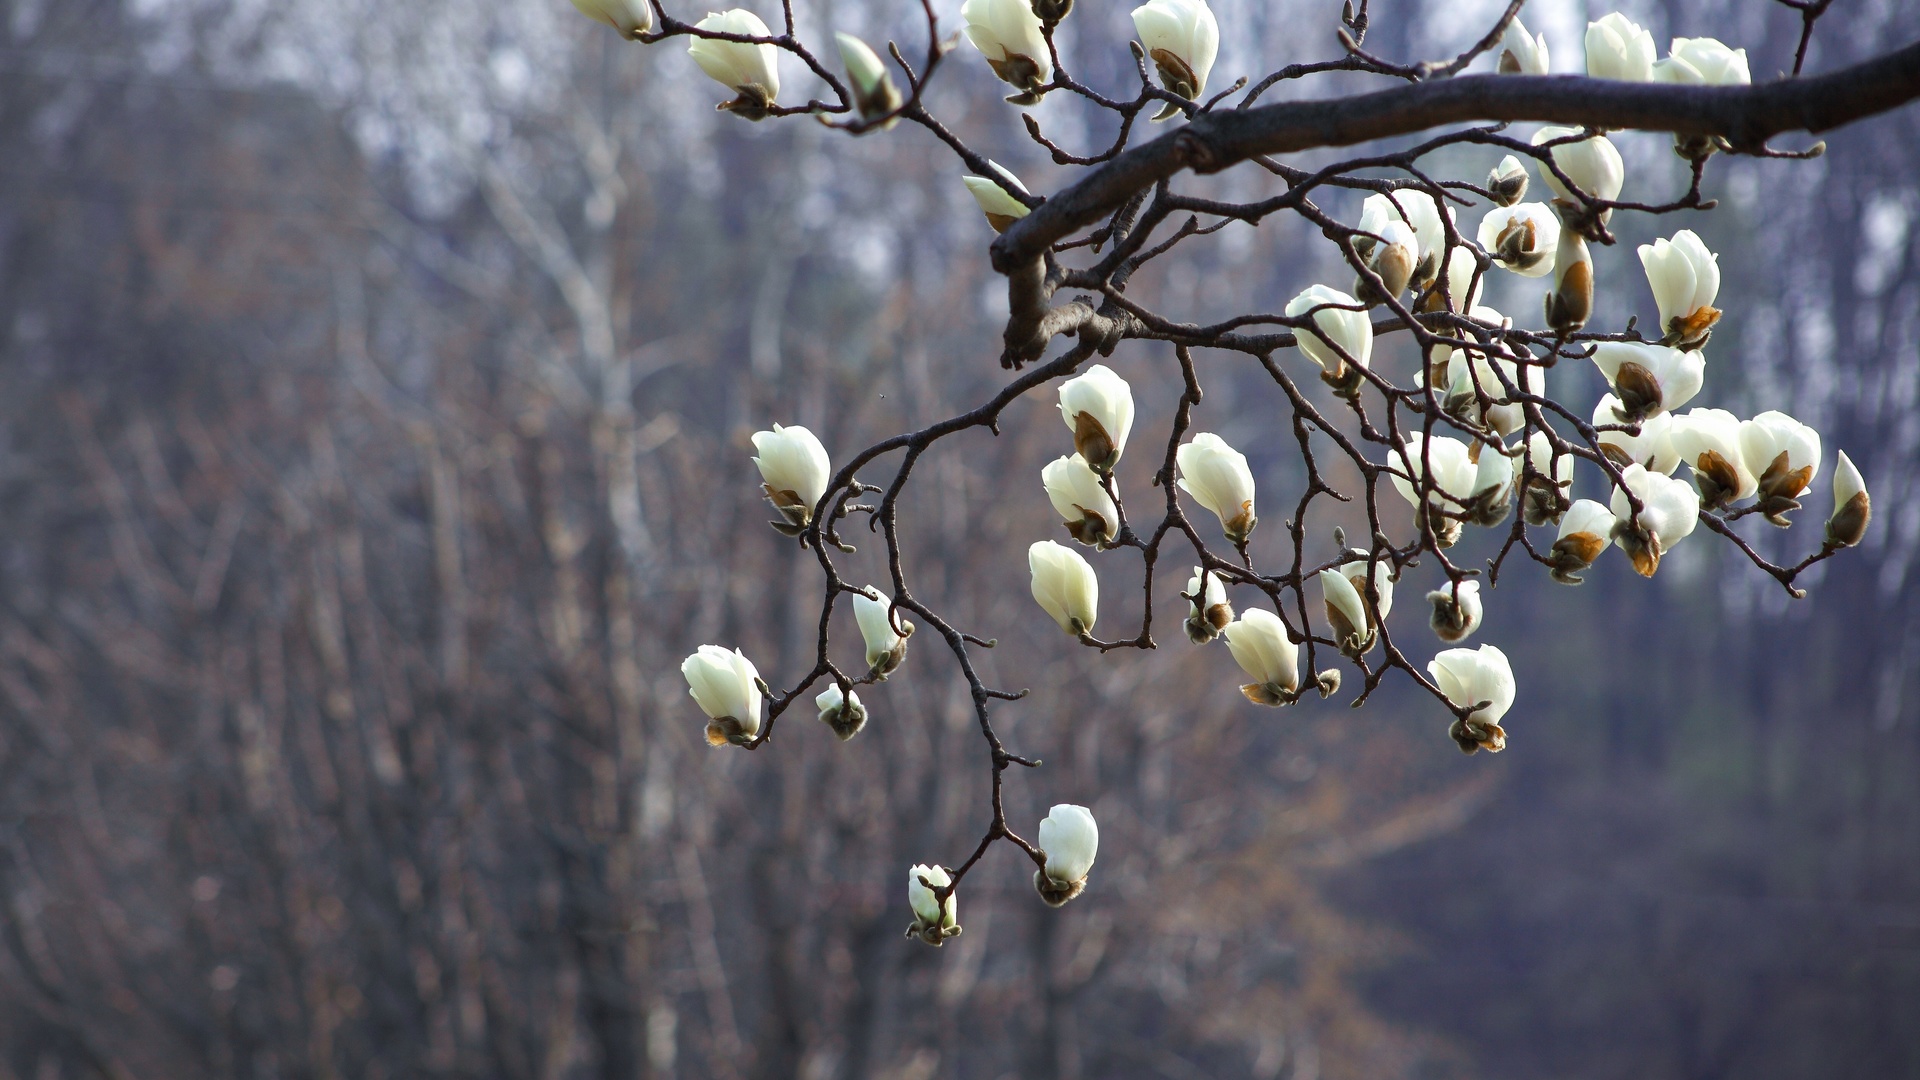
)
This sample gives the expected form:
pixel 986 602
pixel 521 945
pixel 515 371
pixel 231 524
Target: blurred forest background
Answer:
pixel 373 445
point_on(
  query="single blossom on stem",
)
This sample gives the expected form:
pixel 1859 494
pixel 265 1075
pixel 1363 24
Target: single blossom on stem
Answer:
pixel 1069 839
pixel 1522 238
pixel 1007 33
pixel 1508 181
pixel 1784 456
pixel 1648 379
pixel 1098 409
pixel 1456 611
pixel 1652 447
pixel 726 686
pixel 1668 512
pixel 1089 513
pixel 1522 53
pixel 795 470
pixel 1702 62
pixel 1259 643
pixel 1480 679
pixel 1339 325
pixel 1585 532
pixel 1208 611
pixel 1544 494
pixel 1064 585
pixel 1001 208
pixel 1182 39
pixel 1708 441
pixel 631 18
pixel 751 70
pixel 1217 477
pixel 886 641
pixel 1852 510
pixel 1619 48
pixel 1685 277
pixel 874 94
pixel 1595 167
pixel 933 921
pixel 1347 615
pixel 842 713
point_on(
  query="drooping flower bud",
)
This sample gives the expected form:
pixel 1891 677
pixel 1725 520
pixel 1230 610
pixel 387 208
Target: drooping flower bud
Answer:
pixel 795 470
pixel 1007 33
pixel 1470 677
pixel 1259 643
pixel 631 18
pixel 1521 238
pixel 933 921
pixel 1340 325
pixel 1594 166
pixel 874 94
pixel 1064 585
pixel 1208 612
pixel 1619 48
pixel 1708 440
pixel 1098 409
pixel 886 644
pixel 1851 507
pixel 1652 447
pixel 1685 277
pixel 1181 38
pixel 844 714
pixel 1508 180
pixel 1069 839
pixel 1349 615
pixel 1522 53
pixel 1648 379
pixel 1456 611
pixel 1084 506
pixel 751 70
pixel 1669 511
pixel 1585 532
pixel 1001 208
pixel 1570 304
pixel 1217 477
pixel 1544 498
pixel 1702 62
pixel 1784 456
pixel 726 686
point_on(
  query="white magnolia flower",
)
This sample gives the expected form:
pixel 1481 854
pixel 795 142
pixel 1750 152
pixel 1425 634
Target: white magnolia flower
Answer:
pixel 1619 48
pixel 1007 33
pixel 1490 376
pixel 1708 441
pixel 1217 477
pixel 1570 304
pixel 1356 572
pixel 1653 447
pixel 1064 584
pixel 1508 181
pixel 844 714
pixel 1649 379
pixel 1470 677
pixel 1464 281
pixel 795 471
pixel 1259 643
pixel 933 922
pixel 1482 481
pixel 1593 164
pixel 1426 217
pixel 1392 258
pixel 1521 238
pixel 631 18
pixel 1784 456
pixel 1098 409
pixel 1069 839
pixel 1669 511
pixel 1544 497
pixel 1585 532
pixel 1456 611
pixel 1852 509
pixel 1348 613
pixel 1702 62
pixel 1181 38
pixel 874 93
pixel 1084 506
pixel 1522 53
pixel 752 70
pixel 1685 277
pixel 1001 208
pixel 727 688
pixel 1339 325
pixel 1208 612
pixel 886 645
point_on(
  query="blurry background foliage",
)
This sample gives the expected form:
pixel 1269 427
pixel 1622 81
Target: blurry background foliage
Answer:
pixel 377 383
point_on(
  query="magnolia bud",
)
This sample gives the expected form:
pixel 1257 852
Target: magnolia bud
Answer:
pixel 1090 514
pixel 795 469
pixel 1339 326
pixel 751 69
pixel 1456 611
pixel 1064 585
pixel 1098 409
pixel 1208 612
pixel 1544 499
pixel 874 94
pixel 886 646
pixel 1217 477
pixel 1784 455
pixel 1522 238
pixel 1570 304
pixel 1669 511
pixel 1619 48
pixel 845 715
pixel 1851 507
pixel 727 688
pixel 1708 441
pixel 1594 166
pixel 1259 643
pixel 631 18
pixel 1701 62
pixel 1470 677
pixel 1585 532
pixel 1393 258
pixel 1347 614
pixel 1508 181
pixel 1181 38
pixel 1007 33
pixel 1001 208
pixel 1685 277
pixel 1069 839
pixel 1521 53
pixel 933 920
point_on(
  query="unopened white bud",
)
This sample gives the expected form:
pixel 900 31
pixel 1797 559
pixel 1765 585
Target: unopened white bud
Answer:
pixel 1508 182
pixel 874 94
pixel 1007 33
pixel 1456 611
pixel 1218 478
pixel 1784 456
pixel 1669 511
pixel 1182 39
pixel 1069 839
pixel 844 714
pixel 1064 585
pixel 750 69
pixel 1585 531
pixel 1476 677
pixel 1339 325
pixel 1208 612
pixel 1685 278
pixel 1522 53
pixel 1259 643
pixel 1852 509
pixel 1001 208
pixel 886 642
pixel 1619 48
pixel 726 686
pixel 933 921
pixel 1089 513
pixel 631 18
pixel 1098 408
pixel 795 470
pixel 1521 238
pixel 1649 379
